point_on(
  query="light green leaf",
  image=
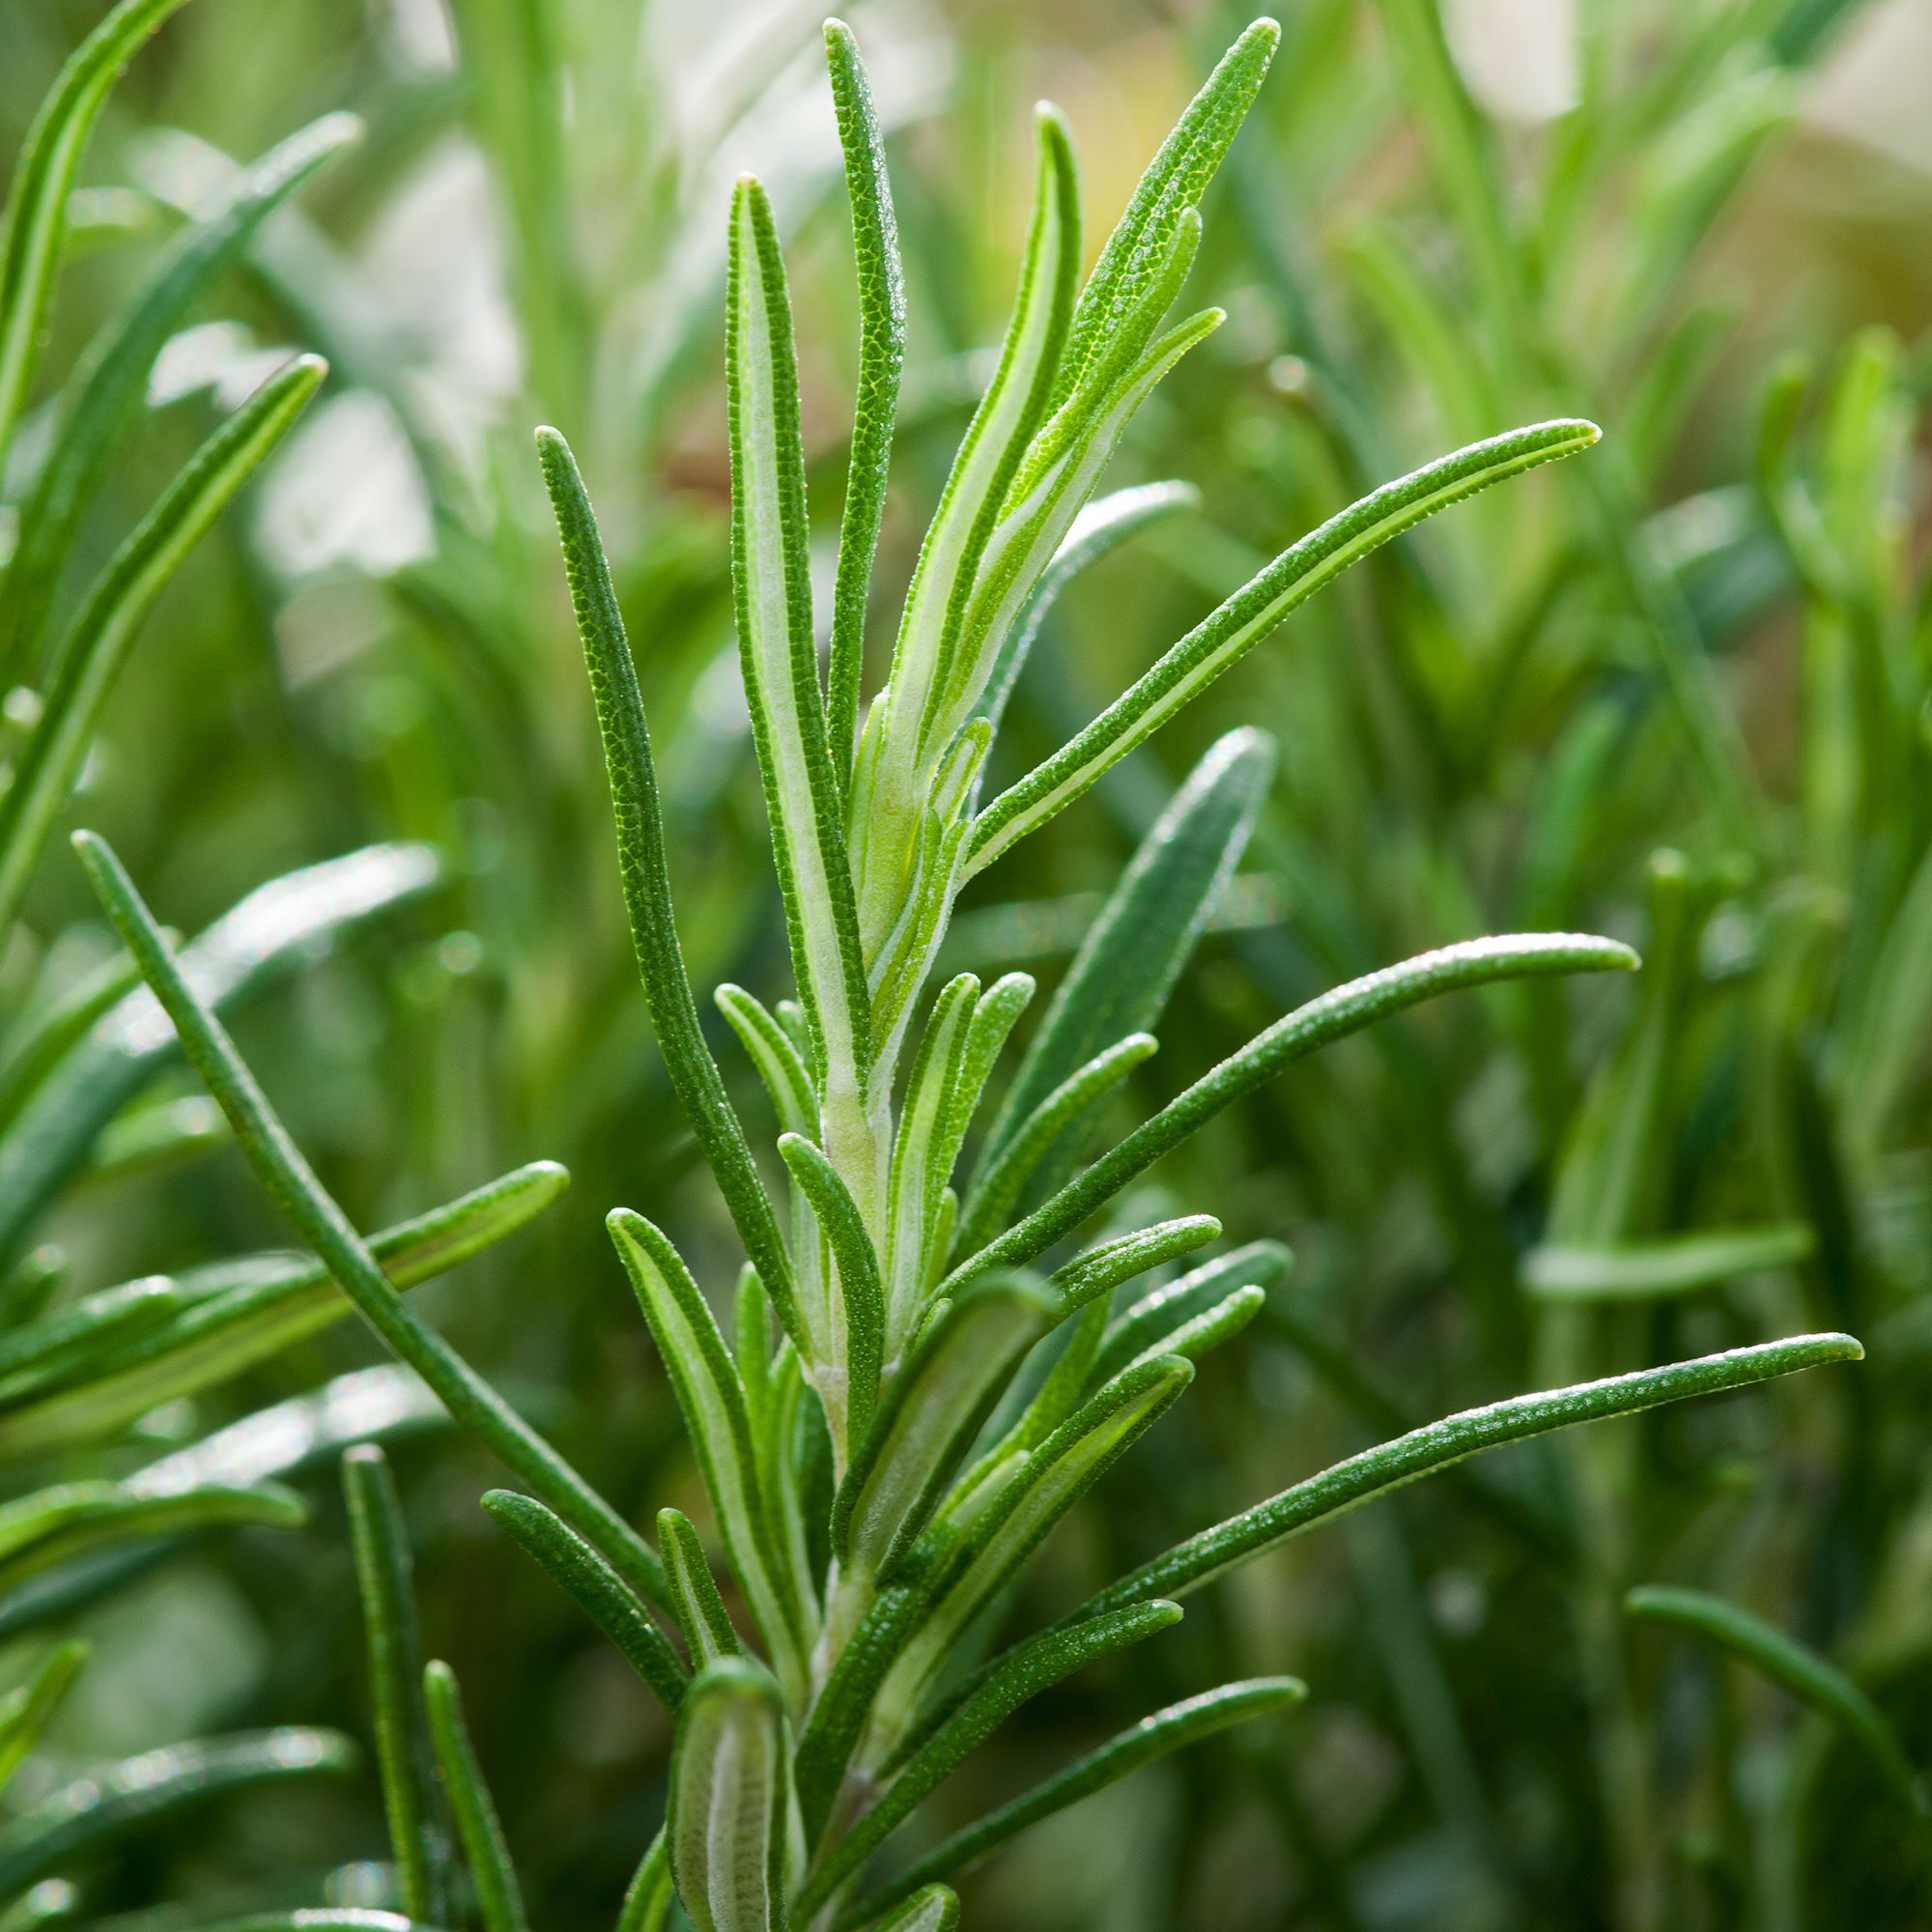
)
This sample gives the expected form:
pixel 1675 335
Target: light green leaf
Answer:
pixel 1649 1270
pixel 1229 633
pixel 701 1609
pixel 860 1336
pixel 712 1402
pixel 646 878
pixel 779 656
pixel 101 1807
pixel 500 1900
pixel 730 1799
pixel 1173 1309
pixel 933 1908
pixel 34 222
pixel 780 1063
pixel 404 1758
pixel 882 325
pixel 90 655
pixel 1437 1445
pixel 1103 1268
pixel 594 1587
pixel 278 1164
pixel 24 1711
pixel 107 384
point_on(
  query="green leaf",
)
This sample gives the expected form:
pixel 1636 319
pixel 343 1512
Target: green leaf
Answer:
pixel 933 1908
pixel 1103 1268
pixel 1134 950
pixel 1101 526
pixel 1029 1670
pixel 41 1039
pixel 1342 1010
pixel 500 1901
pixel 53 1524
pixel 1437 1444
pixel 1007 1164
pixel 105 392
pixel 1171 1311
pixel 77 1338
pixel 1649 1270
pixel 271 931
pixel 90 656
pixel 882 325
pixel 701 1609
pixel 1026 1501
pixel 712 1402
pixel 405 1757
pixel 34 222
pixel 860 1335
pixel 1228 634
pixel 896 754
pixel 24 1711
pixel 102 1807
pixel 1153 1737
pixel 1174 183
pixel 780 1063
pixel 1810 1677
pixel 647 879
pixel 278 1165
pixel 239 1312
pixel 730 1799
pixel 779 656
pixel 648 1901
pixel 958 1369
pixel 594 1587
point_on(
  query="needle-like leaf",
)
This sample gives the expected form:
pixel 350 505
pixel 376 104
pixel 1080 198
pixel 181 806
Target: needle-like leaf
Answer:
pixel 647 879
pixel 730 1799
pixel 33 225
pixel 862 1332
pixel 24 1711
pixel 500 1900
pixel 701 1609
pixel 594 1587
pixel 1437 1444
pixel 292 1185
pixel 882 326
pixel 1343 1011
pixel 405 1757
pixel 90 656
pixel 1232 630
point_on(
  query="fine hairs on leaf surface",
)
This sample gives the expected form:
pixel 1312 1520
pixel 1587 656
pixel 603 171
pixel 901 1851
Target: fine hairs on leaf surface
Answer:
pixel 917 1375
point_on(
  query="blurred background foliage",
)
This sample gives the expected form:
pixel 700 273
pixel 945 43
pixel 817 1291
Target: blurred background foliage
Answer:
pixel 1677 692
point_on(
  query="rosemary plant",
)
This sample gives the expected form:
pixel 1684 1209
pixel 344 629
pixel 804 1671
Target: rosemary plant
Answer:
pixel 914 1382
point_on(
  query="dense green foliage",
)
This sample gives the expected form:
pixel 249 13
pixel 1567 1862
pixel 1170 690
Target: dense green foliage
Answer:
pixel 844 1541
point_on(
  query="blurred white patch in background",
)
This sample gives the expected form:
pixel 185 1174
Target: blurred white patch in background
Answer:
pixel 346 492
pixel 1517 57
pixel 421 35
pixel 1876 87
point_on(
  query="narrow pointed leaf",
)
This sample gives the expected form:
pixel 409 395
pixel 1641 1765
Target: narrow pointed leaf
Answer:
pixel 278 1164
pixel 729 1800
pixel 1029 1670
pixel 931 1415
pixel 647 879
pixel 857 1262
pixel 594 1587
pixel 648 1901
pixel 95 1810
pixel 1342 1010
pixel 405 1759
pixel 500 1900
pixel 250 1311
pixel 1153 1737
pixel 780 1063
pixel 701 1609
pixel 1437 1444
pixel 24 1711
pixel 108 384
pixel 1177 1304
pixel 932 1909
pixel 34 223
pixel 1135 950
pixel 712 1402
pixel 882 326
pixel 779 656
pixel 90 656
pixel 1232 630
pixel 1103 1268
